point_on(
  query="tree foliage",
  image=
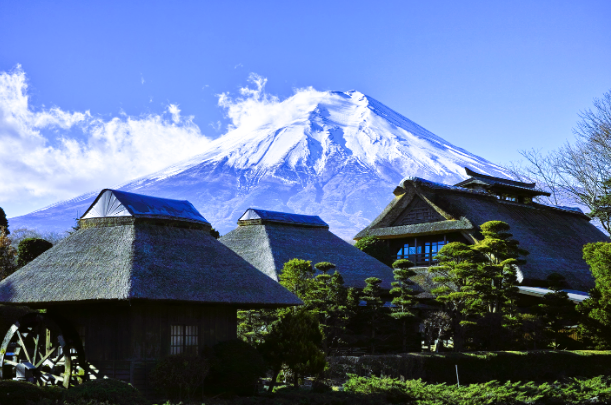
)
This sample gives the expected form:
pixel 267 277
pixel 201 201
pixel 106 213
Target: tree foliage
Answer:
pixel 595 321
pixel 30 248
pixel 376 248
pixel 557 311
pixel 8 255
pixel 404 296
pixel 4 222
pixel 372 295
pixel 579 171
pixel 295 342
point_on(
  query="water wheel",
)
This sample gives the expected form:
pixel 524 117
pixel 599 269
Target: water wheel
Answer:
pixel 44 350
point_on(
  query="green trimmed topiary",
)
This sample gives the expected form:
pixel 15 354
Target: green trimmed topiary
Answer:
pixel 113 391
pixel 235 367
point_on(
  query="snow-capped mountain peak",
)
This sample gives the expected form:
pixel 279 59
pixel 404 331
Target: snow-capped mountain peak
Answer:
pixel 333 154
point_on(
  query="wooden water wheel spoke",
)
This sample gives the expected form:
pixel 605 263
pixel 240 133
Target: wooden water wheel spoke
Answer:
pixel 25 350
pixel 43 350
pixel 49 354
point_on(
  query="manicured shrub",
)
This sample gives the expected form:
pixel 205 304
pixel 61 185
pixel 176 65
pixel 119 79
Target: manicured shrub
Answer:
pixel 105 390
pixel 476 367
pixel 18 392
pixel 235 367
pixel 180 376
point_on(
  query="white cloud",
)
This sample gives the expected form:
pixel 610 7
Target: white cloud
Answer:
pixel 255 108
pixel 53 154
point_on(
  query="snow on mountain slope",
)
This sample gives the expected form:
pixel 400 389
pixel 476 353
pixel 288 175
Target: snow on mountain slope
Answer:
pixel 338 155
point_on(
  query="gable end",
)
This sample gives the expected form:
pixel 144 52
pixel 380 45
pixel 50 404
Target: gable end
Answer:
pixel 417 212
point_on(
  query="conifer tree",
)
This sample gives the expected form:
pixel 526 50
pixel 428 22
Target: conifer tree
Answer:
pixel 295 342
pixel 499 270
pixel 457 275
pixel 404 298
pixel 557 310
pixel 297 277
pixel 372 297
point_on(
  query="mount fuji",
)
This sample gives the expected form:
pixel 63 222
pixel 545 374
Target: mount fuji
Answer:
pixel 338 155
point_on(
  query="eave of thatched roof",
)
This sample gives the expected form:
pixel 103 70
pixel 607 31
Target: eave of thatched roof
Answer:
pixel 554 236
pixel 142 259
pixel 428 228
pixel 269 246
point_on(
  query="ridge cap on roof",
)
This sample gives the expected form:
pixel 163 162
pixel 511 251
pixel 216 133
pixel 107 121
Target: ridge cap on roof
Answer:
pixel 282 217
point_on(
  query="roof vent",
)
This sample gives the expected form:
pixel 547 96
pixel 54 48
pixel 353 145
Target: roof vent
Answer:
pixel 254 216
pixel 114 203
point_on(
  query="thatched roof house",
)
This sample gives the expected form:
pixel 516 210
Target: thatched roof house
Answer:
pixel 134 247
pixel 141 279
pixel 423 216
pixel 268 239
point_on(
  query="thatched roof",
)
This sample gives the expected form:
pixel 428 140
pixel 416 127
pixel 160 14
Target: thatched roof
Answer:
pixel 554 236
pixel 161 251
pixel 268 243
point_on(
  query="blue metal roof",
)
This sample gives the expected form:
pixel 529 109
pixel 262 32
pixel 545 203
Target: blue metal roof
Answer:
pixel 284 217
pixel 115 203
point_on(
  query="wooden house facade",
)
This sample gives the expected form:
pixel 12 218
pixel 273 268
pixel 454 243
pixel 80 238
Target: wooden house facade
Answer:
pixel 140 280
pixel 424 216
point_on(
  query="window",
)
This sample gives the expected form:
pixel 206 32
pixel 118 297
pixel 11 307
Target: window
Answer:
pixel 408 251
pixel 431 249
pixel 183 339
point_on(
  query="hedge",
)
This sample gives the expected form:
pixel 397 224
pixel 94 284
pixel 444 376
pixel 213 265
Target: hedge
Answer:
pixel 475 367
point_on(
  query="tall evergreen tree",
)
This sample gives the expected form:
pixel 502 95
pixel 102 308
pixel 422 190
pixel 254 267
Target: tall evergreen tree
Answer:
pixel 595 320
pixel 457 276
pixel 404 299
pixel 4 222
pixel 502 256
pixel 372 296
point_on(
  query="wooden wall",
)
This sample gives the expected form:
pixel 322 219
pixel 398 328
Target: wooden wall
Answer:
pixel 124 340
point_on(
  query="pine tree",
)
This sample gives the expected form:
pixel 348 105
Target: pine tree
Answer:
pixel 499 270
pixel 595 320
pixel 297 277
pixel 457 275
pixel 295 341
pixel 404 298
pixel 372 297
pixel 8 255
pixel 557 310
pixel 255 324
pixel 4 222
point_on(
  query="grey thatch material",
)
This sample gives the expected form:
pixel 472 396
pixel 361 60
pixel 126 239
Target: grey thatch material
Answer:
pixel 135 258
pixel 554 236
pixel 478 180
pixel 269 245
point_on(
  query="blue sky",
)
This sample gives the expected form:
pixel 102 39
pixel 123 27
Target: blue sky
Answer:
pixel 491 77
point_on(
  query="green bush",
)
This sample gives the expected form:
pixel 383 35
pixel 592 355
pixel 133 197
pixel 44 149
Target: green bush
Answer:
pixel 30 248
pixel 18 392
pixel 180 376
pixel 572 391
pixel 376 248
pixel 105 390
pixel 235 367
pixel 476 367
